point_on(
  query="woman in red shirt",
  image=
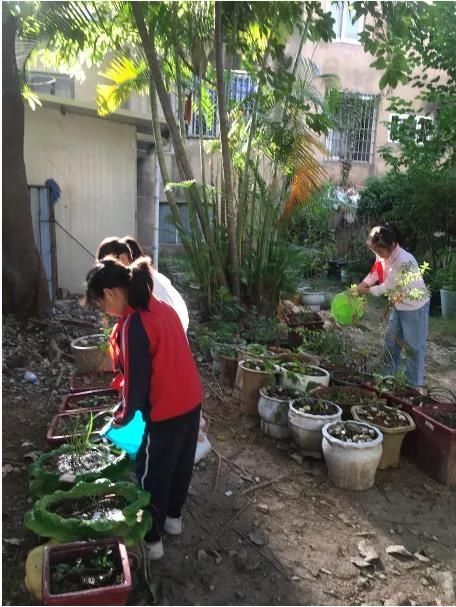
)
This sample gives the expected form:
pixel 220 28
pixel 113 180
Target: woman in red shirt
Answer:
pixel 160 379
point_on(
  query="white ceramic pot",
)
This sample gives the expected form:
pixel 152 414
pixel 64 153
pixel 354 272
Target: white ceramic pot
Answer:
pixel 306 428
pixel 352 465
pixel 91 358
pixel 274 416
pixel 304 382
pixel 313 299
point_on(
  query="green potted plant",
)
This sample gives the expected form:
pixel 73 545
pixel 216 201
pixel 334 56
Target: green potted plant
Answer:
pixel 273 408
pixel 446 279
pixel 306 417
pixel 255 374
pixel 91 353
pixel 302 376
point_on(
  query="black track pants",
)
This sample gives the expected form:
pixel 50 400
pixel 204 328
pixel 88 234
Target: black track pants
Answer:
pixel 164 466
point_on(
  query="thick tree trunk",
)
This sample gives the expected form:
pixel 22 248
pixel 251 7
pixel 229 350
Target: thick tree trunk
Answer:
pixel 226 158
pixel 25 291
pixel 179 149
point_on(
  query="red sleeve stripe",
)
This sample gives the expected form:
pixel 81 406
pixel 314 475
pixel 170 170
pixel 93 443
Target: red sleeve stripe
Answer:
pixel 125 361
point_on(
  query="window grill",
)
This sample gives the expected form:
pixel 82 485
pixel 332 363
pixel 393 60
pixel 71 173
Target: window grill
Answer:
pixel 241 86
pixel 356 142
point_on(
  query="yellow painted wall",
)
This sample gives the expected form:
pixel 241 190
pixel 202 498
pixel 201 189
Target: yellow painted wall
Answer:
pixel 94 163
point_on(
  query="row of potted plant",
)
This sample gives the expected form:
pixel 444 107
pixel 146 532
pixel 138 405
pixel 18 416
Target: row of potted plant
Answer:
pixel 83 503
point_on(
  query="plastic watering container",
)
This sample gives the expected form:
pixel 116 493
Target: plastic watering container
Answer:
pixel 347 308
pixel 128 437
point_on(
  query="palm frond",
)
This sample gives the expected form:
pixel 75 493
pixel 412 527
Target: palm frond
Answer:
pixel 125 76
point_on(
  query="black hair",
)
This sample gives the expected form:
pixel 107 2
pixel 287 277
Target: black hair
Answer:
pixel 113 245
pixel 109 273
pixel 384 236
pixel 133 244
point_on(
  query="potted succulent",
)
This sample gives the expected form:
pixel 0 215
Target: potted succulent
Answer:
pixel 88 382
pixel 255 374
pixel 446 279
pixel 273 408
pixel 344 396
pixel 71 463
pixel 83 424
pixel 306 418
pixel 92 510
pixel 436 436
pixel 302 377
pixel 352 451
pixel 394 425
pixel 91 353
pixel 89 400
pixel 86 573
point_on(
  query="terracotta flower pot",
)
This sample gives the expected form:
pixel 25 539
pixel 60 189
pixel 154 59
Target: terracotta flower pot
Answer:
pixel 91 354
pixel 252 381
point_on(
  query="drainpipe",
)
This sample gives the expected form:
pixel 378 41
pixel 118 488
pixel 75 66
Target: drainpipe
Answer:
pixel 155 245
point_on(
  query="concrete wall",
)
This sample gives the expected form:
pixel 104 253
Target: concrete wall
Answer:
pixel 94 163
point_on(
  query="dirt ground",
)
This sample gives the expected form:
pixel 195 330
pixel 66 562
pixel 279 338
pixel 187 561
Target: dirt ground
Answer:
pixel 263 525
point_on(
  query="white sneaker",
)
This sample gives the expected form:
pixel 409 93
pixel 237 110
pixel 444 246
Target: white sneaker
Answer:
pixel 173 526
pixel 155 550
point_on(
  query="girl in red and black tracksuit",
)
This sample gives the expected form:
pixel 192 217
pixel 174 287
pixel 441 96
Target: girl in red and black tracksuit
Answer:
pixel 160 379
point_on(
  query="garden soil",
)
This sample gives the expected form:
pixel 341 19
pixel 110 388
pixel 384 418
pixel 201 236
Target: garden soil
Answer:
pixel 262 525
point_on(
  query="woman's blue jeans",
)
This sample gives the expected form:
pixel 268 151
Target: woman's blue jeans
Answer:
pixel 407 333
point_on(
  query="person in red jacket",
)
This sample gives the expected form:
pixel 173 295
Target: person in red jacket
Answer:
pixel 160 379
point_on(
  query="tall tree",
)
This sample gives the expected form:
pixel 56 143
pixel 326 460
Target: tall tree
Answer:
pixel 25 291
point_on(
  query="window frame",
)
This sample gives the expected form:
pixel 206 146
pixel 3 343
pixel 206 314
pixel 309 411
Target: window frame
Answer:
pixel 402 117
pixel 340 29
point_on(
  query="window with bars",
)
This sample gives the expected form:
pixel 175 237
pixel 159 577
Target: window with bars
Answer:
pixel 59 85
pixel 422 125
pixel 241 87
pixel 354 139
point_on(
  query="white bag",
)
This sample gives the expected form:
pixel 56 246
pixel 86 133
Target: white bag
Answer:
pixel 203 446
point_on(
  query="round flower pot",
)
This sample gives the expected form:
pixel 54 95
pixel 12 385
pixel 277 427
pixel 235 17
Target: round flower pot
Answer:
pixel 313 299
pixel 91 354
pixel 344 396
pixel 352 465
pixel 273 412
pixel 305 428
pixel 392 438
pixel 252 381
pixel 304 381
pixel 448 299
pixel 228 369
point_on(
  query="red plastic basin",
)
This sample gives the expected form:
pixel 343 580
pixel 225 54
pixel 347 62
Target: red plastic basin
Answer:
pixel 109 595
pixel 436 443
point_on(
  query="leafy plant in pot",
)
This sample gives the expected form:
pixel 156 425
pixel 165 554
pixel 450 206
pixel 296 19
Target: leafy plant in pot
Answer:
pixel 86 573
pixel 394 425
pixel 69 464
pixel 302 377
pixel 446 280
pixel 273 408
pixel 91 353
pixel 352 451
pixel 344 396
pixel 306 418
pixel 96 399
pixel 255 374
pixel 92 510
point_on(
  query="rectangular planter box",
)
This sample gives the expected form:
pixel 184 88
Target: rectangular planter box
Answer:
pixel 55 439
pixel 71 402
pixel 436 444
pixel 109 595
pixel 78 385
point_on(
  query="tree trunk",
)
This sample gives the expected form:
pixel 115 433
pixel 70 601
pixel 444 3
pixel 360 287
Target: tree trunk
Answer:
pixel 179 149
pixel 25 290
pixel 226 158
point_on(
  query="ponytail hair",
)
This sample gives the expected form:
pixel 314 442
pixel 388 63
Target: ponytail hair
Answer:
pixel 113 245
pixel 135 279
pixel 135 248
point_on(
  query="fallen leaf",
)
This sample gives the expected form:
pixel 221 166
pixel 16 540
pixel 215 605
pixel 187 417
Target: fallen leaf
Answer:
pixel 421 556
pixel 6 469
pixel 367 550
pixel 256 539
pixel 27 443
pixel 360 562
pixel 398 550
pixel 327 571
pixel 344 518
pixel 202 555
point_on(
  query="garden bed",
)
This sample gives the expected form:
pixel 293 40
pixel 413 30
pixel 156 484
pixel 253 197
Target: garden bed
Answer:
pixel 90 400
